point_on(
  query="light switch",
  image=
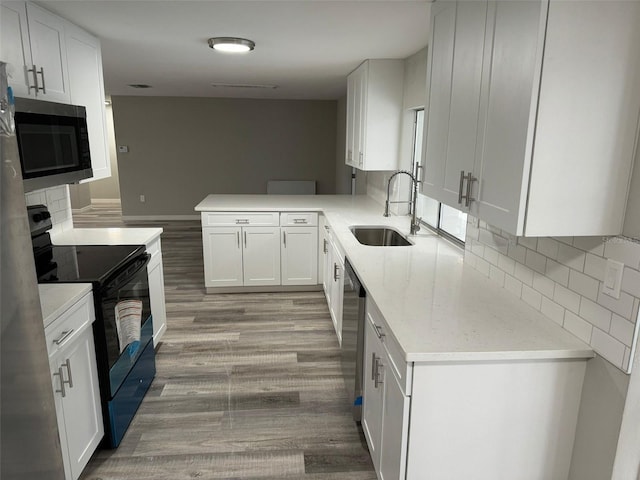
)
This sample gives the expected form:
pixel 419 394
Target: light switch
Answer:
pixel 612 278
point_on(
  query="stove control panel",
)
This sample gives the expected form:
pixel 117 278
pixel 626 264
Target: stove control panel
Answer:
pixel 39 219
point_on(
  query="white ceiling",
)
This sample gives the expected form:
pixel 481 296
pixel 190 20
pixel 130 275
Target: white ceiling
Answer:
pixel 306 47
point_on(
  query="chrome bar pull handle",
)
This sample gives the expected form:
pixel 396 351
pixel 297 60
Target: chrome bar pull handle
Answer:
pixel 63 337
pixel 376 381
pixel 238 238
pixel 470 180
pixel 62 382
pixel 335 272
pixel 374 362
pixel 245 239
pixel 299 220
pixel 43 88
pixel 284 239
pixel 67 364
pixel 378 331
pixel 462 177
pixel 324 246
pixel 242 221
pixel 360 158
pixel 35 79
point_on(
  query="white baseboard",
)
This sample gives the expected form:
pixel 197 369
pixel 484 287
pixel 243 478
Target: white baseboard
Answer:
pixel 153 218
pixel 86 208
pixel 106 200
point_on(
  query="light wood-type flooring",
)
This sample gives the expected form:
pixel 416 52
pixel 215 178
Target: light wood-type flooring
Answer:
pixel 248 386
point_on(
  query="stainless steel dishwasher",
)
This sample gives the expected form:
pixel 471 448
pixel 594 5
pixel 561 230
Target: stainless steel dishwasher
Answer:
pixel 353 317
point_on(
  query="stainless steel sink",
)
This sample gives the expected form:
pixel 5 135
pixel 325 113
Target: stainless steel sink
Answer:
pixel 380 237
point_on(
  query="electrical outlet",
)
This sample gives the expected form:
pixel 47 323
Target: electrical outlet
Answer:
pixel 612 278
pixel 142 199
pixel 123 149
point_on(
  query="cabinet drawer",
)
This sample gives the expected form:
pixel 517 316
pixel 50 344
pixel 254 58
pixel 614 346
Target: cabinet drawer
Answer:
pixel 401 370
pixel 294 219
pixel 219 219
pixel 67 326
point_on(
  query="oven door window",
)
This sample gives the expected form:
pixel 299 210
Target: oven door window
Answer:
pixel 126 311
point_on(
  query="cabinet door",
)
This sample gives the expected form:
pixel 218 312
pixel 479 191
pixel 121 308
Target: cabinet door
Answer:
pixel 14 46
pixel 351 102
pixel 156 294
pixel 261 255
pixel 511 80
pixel 86 87
pixel 299 255
pixel 322 250
pixel 360 108
pixel 337 294
pixel 373 395
pixel 49 53
pixel 395 430
pixel 222 256
pixel 56 383
pixel 454 94
pixel 327 279
pixel 81 404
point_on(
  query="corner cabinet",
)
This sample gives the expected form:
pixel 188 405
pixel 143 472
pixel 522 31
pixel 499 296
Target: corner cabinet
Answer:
pixel 52 59
pixel 529 124
pixel 374 112
pixel 421 418
pixel 253 251
pixel 74 376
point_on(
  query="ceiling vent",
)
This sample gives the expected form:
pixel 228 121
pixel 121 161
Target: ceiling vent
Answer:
pixel 243 85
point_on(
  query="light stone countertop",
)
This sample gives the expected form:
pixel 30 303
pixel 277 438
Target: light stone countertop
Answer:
pixel 106 236
pixel 56 298
pixel 437 308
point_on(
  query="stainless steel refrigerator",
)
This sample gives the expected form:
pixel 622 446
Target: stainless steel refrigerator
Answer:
pixel 29 441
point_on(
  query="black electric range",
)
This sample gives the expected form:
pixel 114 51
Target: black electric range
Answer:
pixel 123 326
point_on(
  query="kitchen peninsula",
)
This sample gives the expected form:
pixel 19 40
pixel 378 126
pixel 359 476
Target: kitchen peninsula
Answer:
pixel 454 364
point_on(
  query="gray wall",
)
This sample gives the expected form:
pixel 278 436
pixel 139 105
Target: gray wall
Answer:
pixel 182 149
pixel 108 188
pixel 632 215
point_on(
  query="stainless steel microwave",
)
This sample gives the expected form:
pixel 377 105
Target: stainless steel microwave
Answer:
pixel 53 142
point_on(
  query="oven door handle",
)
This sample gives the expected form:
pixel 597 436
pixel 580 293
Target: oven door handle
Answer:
pixel 124 274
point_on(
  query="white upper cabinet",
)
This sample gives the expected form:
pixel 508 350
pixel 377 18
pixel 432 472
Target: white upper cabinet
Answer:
pixel 51 59
pixel 14 46
pixel 48 54
pixel 532 118
pixel 87 89
pixel 374 111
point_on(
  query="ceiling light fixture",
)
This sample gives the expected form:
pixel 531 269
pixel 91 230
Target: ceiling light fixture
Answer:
pixel 231 44
pixel 243 85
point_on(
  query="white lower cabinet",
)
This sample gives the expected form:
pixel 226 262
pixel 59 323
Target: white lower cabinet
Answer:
pixel 155 271
pixel 385 415
pixel 74 375
pixel 252 249
pixel 505 419
pixel 335 288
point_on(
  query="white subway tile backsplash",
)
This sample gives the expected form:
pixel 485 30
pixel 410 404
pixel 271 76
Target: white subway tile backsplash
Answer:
pixel 631 282
pixel 558 273
pixel 524 274
pixel 623 306
pixel 594 266
pixel 532 297
pixel 543 284
pixel 578 326
pixel 507 264
pixel 483 266
pixel 496 275
pixel 491 256
pixel 513 285
pixel 571 257
pixel 595 314
pixel 548 247
pixel 623 250
pixel 568 299
pixel 536 261
pixel 561 277
pixel 622 329
pixel 608 347
pixel 552 310
pixel 528 242
pixel 517 252
pixel 584 285
pixel 593 245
